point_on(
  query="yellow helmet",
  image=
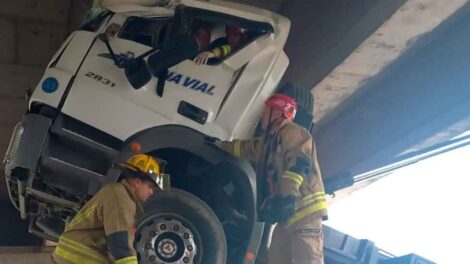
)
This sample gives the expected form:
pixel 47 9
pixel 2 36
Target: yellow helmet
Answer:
pixel 146 167
pixel 143 163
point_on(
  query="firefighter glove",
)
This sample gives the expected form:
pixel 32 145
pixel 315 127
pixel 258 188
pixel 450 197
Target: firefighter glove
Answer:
pixel 303 165
pixel 278 208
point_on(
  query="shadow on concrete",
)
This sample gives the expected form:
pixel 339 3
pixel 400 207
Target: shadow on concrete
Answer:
pixel 14 230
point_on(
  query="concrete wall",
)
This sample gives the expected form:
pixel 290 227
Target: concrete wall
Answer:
pixel 30 33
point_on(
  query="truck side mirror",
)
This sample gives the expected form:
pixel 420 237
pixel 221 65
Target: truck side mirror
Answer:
pixel 137 72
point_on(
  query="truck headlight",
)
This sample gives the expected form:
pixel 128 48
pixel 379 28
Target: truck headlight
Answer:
pixel 14 142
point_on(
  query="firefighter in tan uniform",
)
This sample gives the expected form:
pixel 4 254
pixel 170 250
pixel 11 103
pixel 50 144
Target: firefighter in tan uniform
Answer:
pixel 295 198
pixel 102 231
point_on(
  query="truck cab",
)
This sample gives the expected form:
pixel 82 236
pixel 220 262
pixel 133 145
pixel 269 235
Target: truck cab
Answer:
pixel 84 114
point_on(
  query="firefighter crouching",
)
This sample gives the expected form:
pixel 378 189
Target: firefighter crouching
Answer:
pixel 286 159
pixel 103 230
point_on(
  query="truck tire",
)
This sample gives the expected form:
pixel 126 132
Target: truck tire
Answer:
pixel 178 227
pixel 302 96
pixel 304 99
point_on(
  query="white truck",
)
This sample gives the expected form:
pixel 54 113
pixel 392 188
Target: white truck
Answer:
pixel 84 114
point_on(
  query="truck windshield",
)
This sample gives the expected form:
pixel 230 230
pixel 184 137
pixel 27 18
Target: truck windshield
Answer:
pixel 146 31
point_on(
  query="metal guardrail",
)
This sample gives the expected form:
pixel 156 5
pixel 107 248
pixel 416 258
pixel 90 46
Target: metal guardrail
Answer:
pixel 414 157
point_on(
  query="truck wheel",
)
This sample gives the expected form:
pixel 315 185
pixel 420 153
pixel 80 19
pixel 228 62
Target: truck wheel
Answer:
pixel 304 99
pixel 178 227
pixel 302 96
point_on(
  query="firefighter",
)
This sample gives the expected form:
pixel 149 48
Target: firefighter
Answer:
pixel 286 159
pixel 103 230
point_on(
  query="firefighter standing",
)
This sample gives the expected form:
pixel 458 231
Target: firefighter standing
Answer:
pixel 102 231
pixel 286 158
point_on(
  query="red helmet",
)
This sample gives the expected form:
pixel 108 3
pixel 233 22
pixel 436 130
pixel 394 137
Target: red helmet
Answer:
pixel 283 103
pixel 203 36
pixel 233 30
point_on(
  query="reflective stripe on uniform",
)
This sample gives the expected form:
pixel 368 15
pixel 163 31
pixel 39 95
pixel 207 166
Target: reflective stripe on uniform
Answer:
pixel 317 207
pixel 68 248
pixel 74 258
pixel 295 177
pixel 309 205
pixel 222 51
pixel 127 260
pixel 308 199
pixel 237 148
pixel 226 50
pixel 82 216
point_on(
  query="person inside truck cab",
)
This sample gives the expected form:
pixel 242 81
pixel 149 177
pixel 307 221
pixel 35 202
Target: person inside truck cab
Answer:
pixel 178 49
pixel 185 46
pixel 180 38
pixel 103 230
pixel 223 47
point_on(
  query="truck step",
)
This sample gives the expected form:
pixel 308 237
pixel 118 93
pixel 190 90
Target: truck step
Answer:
pixel 85 137
pixel 69 177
